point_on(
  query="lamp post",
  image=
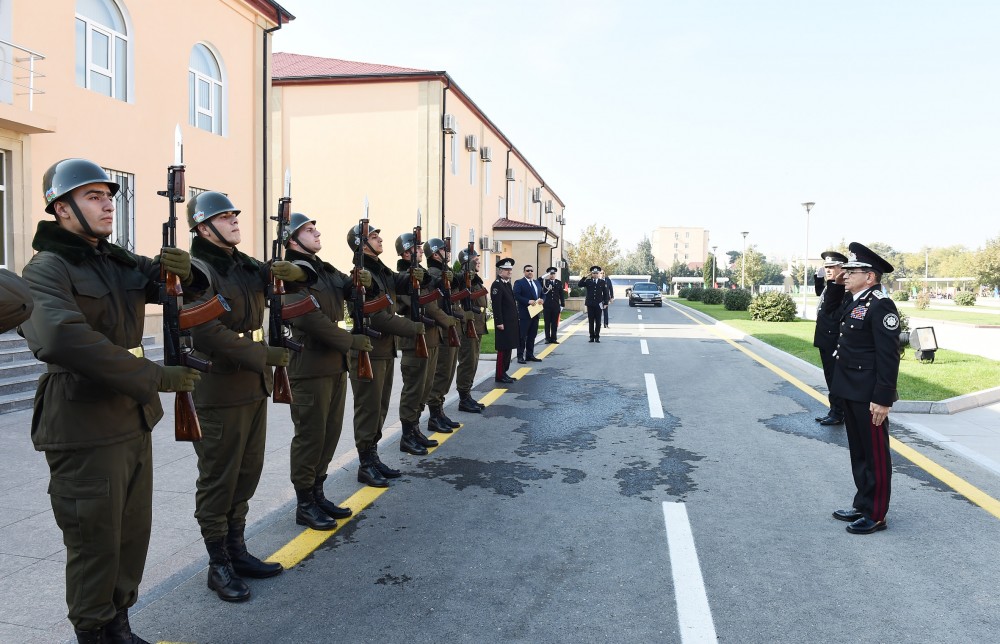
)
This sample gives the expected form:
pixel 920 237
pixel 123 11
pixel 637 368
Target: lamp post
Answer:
pixel 743 259
pixel 805 260
pixel 714 262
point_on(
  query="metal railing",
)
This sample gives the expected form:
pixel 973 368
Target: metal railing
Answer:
pixel 16 64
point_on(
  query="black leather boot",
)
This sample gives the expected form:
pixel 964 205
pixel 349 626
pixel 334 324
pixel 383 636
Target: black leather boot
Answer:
pixel 95 636
pixel 119 631
pixel 325 504
pixel 442 419
pixel 368 473
pixel 244 563
pixel 468 404
pixel 221 576
pixel 423 440
pixel 408 441
pixel 382 468
pixel 309 514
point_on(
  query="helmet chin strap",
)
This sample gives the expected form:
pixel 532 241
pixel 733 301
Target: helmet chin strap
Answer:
pixel 83 220
pixel 218 235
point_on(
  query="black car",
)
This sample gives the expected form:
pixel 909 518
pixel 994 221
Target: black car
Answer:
pixel 644 293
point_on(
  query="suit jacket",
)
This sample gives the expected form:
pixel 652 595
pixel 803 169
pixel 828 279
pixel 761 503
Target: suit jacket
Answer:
pixel 524 295
pixel 867 351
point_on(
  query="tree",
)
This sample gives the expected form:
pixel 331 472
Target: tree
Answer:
pixel 640 261
pixel 771 273
pixel 988 264
pixel 754 267
pixel 709 274
pixel 595 248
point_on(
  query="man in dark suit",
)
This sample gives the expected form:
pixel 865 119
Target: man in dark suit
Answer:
pixel 504 318
pixel 596 300
pixel 555 299
pixel 527 292
pixel 611 295
pixel 831 296
pixel 867 365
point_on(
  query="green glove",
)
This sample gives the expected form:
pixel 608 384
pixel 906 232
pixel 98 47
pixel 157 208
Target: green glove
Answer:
pixel 277 357
pixel 448 275
pixel 287 272
pixel 176 261
pixel 365 277
pixel 419 328
pixel 469 315
pixel 419 274
pixel 361 343
pixel 178 379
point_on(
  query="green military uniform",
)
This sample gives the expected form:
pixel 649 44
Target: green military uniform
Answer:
pixel 318 375
pixel 468 353
pixel 371 399
pixel 15 300
pixel 94 410
pixel 446 363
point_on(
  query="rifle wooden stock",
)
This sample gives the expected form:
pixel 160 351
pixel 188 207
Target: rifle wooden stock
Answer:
pixel 480 293
pixel 470 329
pixel 186 427
pixel 365 373
pixel 207 311
pixel 303 306
pixel 282 392
pixel 453 339
pixel 460 295
pixel 427 298
pixel 421 348
pixel 373 306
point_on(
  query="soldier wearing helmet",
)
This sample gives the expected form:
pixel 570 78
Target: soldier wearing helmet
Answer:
pixel 318 375
pixel 234 394
pixel 474 309
pixel 436 251
pixel 417 372
pixel 371 399
pixel 98 402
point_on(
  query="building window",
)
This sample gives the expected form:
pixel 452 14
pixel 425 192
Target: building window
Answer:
pixel 206 106
pixel 102 48
pixel 454 150
pixel 5 224
pixel 503 208
pixel 472 167
pixel 687 233
pixel 486 177
pixel 124 227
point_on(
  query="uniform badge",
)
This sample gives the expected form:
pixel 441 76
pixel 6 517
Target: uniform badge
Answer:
pixel 199 217
pixel 891 321
pixel 50 194
pixel 859 312
pixel 495 290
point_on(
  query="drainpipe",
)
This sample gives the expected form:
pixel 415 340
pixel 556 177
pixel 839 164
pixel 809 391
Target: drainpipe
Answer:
pixel 265 91
pixel 444 105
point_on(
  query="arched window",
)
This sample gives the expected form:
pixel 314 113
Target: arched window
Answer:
pixel 205 88
pixel 102 48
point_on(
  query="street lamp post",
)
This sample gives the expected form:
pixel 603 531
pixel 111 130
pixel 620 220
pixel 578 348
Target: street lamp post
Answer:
pixel 743 259
pixel 714 262
pixel 805 260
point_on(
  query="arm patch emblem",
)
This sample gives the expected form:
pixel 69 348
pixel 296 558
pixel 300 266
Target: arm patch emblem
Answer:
pixel 891 321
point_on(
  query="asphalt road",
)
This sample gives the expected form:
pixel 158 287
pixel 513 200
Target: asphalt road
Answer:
pixel 543 520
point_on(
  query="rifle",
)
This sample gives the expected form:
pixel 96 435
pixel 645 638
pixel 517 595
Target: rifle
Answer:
pixel 361 309
pixel 470 326
pixel 416 314
pixel 453 340
pixel 279 334
pixel 177 321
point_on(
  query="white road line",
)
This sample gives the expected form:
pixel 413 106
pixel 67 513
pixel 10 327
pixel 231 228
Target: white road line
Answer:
pixel 694 616
pixel 642 328
pixel 655 408
pixel 640 316
pixel 645 347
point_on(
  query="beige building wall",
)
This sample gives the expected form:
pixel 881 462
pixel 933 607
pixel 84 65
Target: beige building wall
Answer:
pixel 686 245
pixel 136 136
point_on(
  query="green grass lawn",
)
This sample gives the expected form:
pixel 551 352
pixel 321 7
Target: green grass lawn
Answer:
pixel 951 374
pixel 488 344
pixel 965 315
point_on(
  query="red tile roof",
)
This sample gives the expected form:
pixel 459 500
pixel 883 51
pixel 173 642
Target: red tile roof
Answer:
pixel 296 66
pixel 513 224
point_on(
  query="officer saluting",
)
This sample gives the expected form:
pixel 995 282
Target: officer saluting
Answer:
pixel 867 364
pixel 555 300
pixel 596 300
pixel 504 318
pixel 831 297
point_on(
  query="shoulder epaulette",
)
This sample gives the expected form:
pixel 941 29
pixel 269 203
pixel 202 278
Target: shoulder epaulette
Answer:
pixel 877 294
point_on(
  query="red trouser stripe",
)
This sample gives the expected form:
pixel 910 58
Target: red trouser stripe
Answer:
pixel 880 467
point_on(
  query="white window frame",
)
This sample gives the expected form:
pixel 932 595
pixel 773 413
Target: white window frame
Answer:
pixel 454 150
pixel 112 72
pixel 124 224
pixel 5 208
pixel 486 177
pixel 473 159
pixel 215 113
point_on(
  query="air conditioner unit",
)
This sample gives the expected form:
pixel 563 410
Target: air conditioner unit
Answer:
pixel 471 143
pixel 498 247
pixel 484 243
pixel 486 154
pixel 510 174
pixel 449 124
pixel 548 206
pixel 536 195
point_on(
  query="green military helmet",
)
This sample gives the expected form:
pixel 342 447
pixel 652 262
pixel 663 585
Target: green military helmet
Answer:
pixel 404 243
pixel 68 175
pixel 433 245
pixel 463 255
pixel 296 221
pixel 206 205
pixel 353 233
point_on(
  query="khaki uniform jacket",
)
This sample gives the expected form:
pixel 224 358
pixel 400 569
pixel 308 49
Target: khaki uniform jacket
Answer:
pixel 15 300
pixel 434 337
pixel 476 305
pixel 325 344
pixel 89 311
pixel 385 321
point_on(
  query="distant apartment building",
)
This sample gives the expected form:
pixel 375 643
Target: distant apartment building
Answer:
pixel 680 244
pixel 406 139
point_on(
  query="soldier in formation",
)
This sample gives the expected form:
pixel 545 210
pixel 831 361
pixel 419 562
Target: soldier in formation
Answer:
pixel 474 311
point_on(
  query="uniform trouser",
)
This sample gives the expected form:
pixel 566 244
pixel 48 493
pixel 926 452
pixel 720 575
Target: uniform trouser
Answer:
pixel 318 415
pixel 230 461
pixel 468 363
pixel 829 363
pixel 371 402
pixel 871 463
pixel 526 337
pixel 551 314
pixel 418 375
pixel 605 312
pixel 503 362
pixel 444 375
pixel 102 500
pixel 594 320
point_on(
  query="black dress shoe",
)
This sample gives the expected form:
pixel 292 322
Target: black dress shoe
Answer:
pixel 864 525
pixel 508 380
pixel 849 515
pixel 555 342
pixel 820 419
pixel 831 420
pixel 533 359
pixel 592 339
pixel 597 339
pixel 522 361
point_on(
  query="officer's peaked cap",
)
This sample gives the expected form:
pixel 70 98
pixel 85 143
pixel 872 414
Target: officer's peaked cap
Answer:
pixel 595 269
pixel 863 257
pixel 833 258
pixel 550 269
pixel 505 263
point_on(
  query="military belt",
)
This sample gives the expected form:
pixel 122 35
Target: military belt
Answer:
pixel 138 352
pixel 257 335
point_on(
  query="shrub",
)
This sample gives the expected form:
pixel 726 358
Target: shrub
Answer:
pixel 737 300
pixel 965 298
pixel 683 292
pixel 773 307
pixel 695 294
pixel 901 295
pixel 923 300
pixel 713 296
pixel 576 291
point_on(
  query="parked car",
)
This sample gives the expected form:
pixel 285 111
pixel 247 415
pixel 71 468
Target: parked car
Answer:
pixel 644 293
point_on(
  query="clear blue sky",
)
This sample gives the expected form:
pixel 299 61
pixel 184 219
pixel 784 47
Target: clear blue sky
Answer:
pixel 722 114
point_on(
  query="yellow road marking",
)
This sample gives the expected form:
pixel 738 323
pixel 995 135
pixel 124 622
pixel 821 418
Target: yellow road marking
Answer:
pixel 492 397
pixel 955 482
